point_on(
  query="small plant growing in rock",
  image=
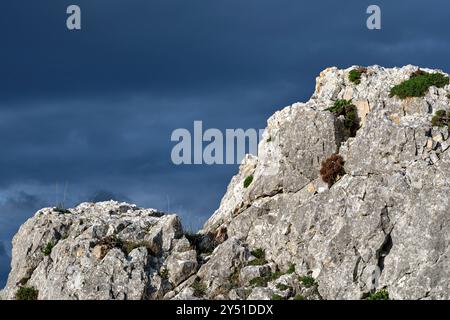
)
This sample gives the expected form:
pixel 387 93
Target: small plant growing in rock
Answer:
pixel 262 281
pixel 418 84
pixel 291 269
pixel 27 293
pixel 199 288
pixel 260 256
pixel 47 249
pixel 277 297
pixel 258 282
pixel 339 105
pixel 448 96
pixel 283 287
pixel 332 168
pixel 355 75
pixel 164 274
pixel 234 279
pixel 441 119
pixel 379 295
pixel 418 73
pixel 307 281
pixel 345 108
pixel 61 210
pixel 248 181
pixel 258 253
pixel 299 297
pixel 124 245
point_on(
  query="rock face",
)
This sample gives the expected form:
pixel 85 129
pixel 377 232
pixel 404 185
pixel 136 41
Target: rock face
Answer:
pixel 385 224
pixel 107 250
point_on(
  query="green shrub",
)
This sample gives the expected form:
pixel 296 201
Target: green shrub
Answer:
pixel 345 108
pixel 291 269
pixel 257 262
pixel 448 96
pixel 277 297
pixel 299 297
pixel 339 106
pixel 164 274
pixel 307 281
pixel 379 295
pixel 47 250
pixel 248 181
pixel 262 281
pixel 418 84
pixel 355 75
pixel 61 210
pixel 282 287
pixel 234 279
pixel 441 119
pixel 418 73
pixel 27 293
pixel 258 253
pixel 199 288
pixel 260 256
pixel 124 245
pixel 259 282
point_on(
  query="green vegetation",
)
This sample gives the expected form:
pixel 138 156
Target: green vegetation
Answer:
pixel 260 256
pixel 248 181
pixel 379 295
pixel 299 297
pixel 262 281
pixel 307 281
pixel 258 253
pixel 355 75
pixel 345 108
pixel 441 119
pixel 339 105
pixel 418 84
pixel 283 287
pixel 164 274
pixel 448 96
pixel 124 245
pixel 277 297
pixel 234 279
pixel 291 269
pixel 47 250
pixel 27 293
pixel 61 210
pixel 199 288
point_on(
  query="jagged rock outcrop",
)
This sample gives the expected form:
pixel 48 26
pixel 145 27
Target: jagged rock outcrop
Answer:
pixel 384 224
pixel 107 250
pixel 388 215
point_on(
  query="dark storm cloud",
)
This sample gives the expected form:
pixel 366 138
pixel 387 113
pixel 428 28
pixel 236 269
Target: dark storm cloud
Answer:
pixel 2 249
pixel 179 47
pixel 4 265
pixel 94 109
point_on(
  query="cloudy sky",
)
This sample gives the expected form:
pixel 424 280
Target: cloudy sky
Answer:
pixel 91 112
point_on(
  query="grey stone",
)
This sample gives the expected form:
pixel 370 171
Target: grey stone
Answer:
pixel 387 217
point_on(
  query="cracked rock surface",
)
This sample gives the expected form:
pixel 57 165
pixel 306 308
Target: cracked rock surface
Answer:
pixel 385 224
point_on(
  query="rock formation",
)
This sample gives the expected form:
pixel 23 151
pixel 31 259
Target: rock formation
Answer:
pixel 383 225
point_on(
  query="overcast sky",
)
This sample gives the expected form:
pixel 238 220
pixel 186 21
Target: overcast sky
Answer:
pixel 95 109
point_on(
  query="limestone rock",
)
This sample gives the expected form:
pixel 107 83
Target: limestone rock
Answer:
pixel 384 224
